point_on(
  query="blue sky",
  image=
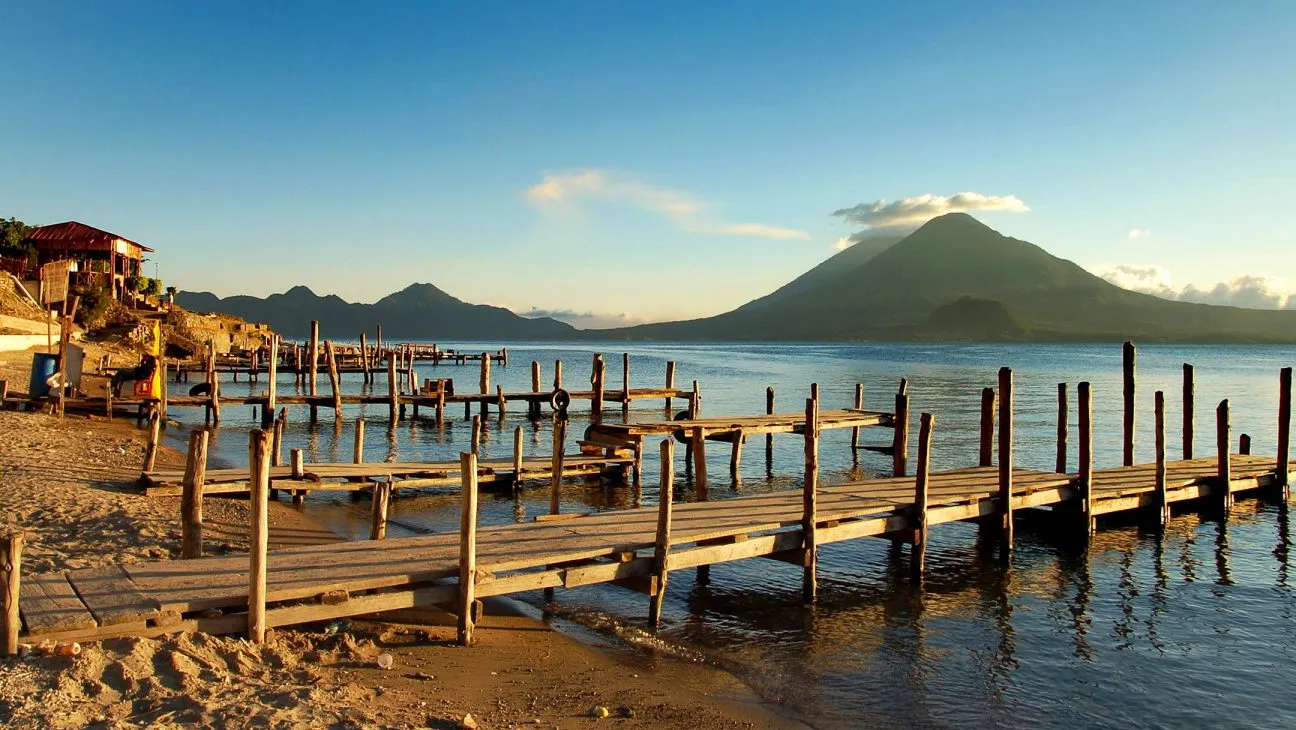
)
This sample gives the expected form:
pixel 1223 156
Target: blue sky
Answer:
pixel 656 160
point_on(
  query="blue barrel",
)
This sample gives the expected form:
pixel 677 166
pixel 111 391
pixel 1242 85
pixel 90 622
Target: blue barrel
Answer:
pixel 44 365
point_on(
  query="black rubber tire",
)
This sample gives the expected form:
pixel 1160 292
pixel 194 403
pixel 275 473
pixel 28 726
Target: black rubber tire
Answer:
pixel 200 389
pixel 560 400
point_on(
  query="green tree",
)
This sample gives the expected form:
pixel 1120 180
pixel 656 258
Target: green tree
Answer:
pixel 134 283
pixel 13 238
pixel 152 287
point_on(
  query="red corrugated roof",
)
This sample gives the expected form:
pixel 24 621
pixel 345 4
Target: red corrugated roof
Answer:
pixel 78 235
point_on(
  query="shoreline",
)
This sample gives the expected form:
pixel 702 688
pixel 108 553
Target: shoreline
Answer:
pixel 67 485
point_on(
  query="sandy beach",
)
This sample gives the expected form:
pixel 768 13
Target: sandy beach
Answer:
pixel 68 485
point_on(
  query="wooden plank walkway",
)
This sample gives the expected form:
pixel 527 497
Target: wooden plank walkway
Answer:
pixel 345 579
pixel 403 475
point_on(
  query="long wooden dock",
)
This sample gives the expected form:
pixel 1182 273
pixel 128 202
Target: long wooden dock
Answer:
pixel 346 579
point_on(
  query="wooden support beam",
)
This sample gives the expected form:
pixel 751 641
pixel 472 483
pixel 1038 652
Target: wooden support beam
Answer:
pixel 155 435
pixel 670 384
pixel 297 462
pixel 1060 463
pixel 484 379
pixel 918 558
pixel 661 546
pixel 476 439
pixel 735 454
pixel 555 475
pixel 1162 501
pixel 1244 444
pixel 364 359
pixel 1189 396
pixel 501 404
pixel 259 535
pixel 276 437
pixel 357 449
pixel 698 440
pixel 1006 459
pixel 392 395
pixel 214 391
pixel 987 427
pixel 855 431
pixel 191 496
pixel 11 570
pixel 809 501
pixel 1224 459
pixel 467 547
pixel 769 411
pixel 4 393
pixel 1085 483
pixel 900 440
pixel 1284 431
pixel 1127 372
pixel 517 459
pixel 557 374
pixel 335 383
pixel 272 383
pixel 312 361
pixel 597 375
pixel 378 512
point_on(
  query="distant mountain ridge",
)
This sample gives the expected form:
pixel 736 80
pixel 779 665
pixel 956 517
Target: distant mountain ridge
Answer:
pixel 419 311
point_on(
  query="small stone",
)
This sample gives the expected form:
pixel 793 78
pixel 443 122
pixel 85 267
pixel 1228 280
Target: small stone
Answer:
pixel 385 661
pixel 468 722
pixel 599 712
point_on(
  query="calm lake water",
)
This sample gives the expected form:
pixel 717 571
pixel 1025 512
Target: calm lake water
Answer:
pixel 1193 628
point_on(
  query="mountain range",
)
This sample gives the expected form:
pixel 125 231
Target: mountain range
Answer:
pixel 952 279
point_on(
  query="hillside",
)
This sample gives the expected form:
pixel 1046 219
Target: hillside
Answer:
pixel 420 311
pixel 1005 289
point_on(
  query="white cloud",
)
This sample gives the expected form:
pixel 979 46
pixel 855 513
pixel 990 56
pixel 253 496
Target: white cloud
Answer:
pixel 567 188
pixel 844 243
pixel 1139 233
pixel 1251 292
pixel 919 210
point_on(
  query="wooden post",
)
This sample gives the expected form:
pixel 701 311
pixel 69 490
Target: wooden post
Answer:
pixel 555 477
pixel 162 403
pixel 155 434
pixel 769 411
pixel 735 454
pixel 1224 458
pixel 919 557
pixel 394 399
pixel 670 385
pixel 855 431
pixel 809 504
pixel 272 380
pixel 596 380
pixel 214 395
pixel 259 536
pixel 1244 444
pixel 334 380
pixel 517 458
pixel 485 377
pixel 1162 498
pixel 378 513
pixel 476 435
pixel 557 374
pixel 1284 431
pixel 467 547
pixel 4 393
pixel 357 451
pixel 191 497
pixel 661 547
pixel 312 363
pixel 695 401
pixel 987 427
pixel 11 565
pixel 276 438
pixel 364 358
pixel 1127 369
pixel 1006 457
pixel 1060 465
pixel 297 462
pixel 1188 398
pixel 698 441
pixel 378 344
pixel 900 441
pixel 1085 484
pixel 625 384
pixel 501 404
pixel 535 376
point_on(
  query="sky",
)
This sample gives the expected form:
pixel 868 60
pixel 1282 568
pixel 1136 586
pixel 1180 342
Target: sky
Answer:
pixel 616 162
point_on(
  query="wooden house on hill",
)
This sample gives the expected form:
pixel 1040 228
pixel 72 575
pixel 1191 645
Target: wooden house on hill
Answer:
pixel 100 257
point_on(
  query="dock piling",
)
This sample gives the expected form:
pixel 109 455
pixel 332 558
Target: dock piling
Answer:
pixel 394 406
pixel 259 535
pixel 11 567
pixel 661 547
pixel 1189 396
pixel 855 432
pixel 1244 444
pixel 809 502
pixel 357 449
pixel 155 435
pixel 670 384
pixel 900 440
pixel 191 496
pixel 1284 431
pixel 1006 460
pixel 1060 464
pixel 1085 485
pixel 1224 460
pixel 625 385
pixel 918 560
pixel 597 375
pixel 272 382
pixel 769 437
pixel 555 477
pixel 378 510
pixel 1162 499
pixel 312 362
pixel 467 547
pixel 517 459
pixel 557 374
pixel 986 454
pixel 1128 356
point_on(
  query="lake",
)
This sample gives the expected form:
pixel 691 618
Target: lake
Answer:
pixel 1186 629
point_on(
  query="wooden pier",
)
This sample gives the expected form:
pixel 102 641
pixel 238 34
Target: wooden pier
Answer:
pixel 639 549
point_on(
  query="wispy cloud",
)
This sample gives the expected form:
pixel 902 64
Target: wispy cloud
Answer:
pixel 897 216
pixel 688 213
pixel 584 320
pixel 1251 292
pixel 1139 233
